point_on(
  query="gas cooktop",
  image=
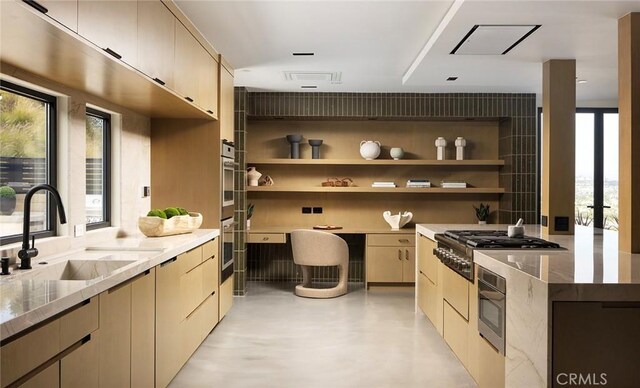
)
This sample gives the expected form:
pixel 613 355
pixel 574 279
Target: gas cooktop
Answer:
pixel 496 239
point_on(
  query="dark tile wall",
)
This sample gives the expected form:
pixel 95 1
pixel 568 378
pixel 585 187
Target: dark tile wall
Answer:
pixel 517 137
pixel 240 212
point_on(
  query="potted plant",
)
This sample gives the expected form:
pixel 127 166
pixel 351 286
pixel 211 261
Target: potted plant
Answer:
pixel 7 200
pixel 482 213
pixel 249 214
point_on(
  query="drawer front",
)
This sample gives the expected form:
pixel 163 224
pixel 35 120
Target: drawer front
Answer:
pixel 391 240
pixel 427 261
pixel 455 290
pixel 456 333
pixel 267 238
pixel 209 318
pixel 385 264
pixel 209 277
pixel 427 298
pixel 78 323
pixel 190 259
pixel 191 290
pixel 210 249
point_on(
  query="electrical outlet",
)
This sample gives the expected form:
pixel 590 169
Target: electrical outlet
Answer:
pixel 78 230
pixel 317 210
pixel 306 210
pixel 146 191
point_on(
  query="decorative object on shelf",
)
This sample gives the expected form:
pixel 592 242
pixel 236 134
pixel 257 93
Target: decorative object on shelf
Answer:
pixel 384 184
pixel 396 153
pixel 517 230
pixel 315 148
pixel 419 183
pixel 335 182
pixel 482 213
pixel 295 140
pixel 7 200
pixel 253 176
pixel 441 143
pixel 249 214
pixel 156 226
pixel 397 221
pixel 370 149
pixel 266 181
pixel 460 144
pixel 453 185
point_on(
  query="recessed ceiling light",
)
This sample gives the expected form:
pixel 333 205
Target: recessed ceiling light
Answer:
pixel 582 81
pixel 452 78
pixel 303 54
pixel 308 86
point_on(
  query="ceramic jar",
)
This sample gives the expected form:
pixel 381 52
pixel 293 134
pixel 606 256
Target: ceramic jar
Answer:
pixel 369 149
pixel 396 153
pixel 460 144
pixel 441 143
pixel 253 176
pixel 315 148
pixel 294 140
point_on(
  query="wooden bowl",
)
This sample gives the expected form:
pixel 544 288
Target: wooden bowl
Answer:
pixel 158 227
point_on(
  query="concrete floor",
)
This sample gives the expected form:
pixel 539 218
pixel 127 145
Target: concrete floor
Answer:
pixel 271 338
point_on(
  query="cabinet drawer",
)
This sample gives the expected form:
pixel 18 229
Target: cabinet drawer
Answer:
pixel 427 298
pixel 209 277
pixel 191 290
pixel 78 323
pixel 210 249
pixel 267 238
pixel 209 317
pixel 455 332
pixel 427 261
pixel 391 240
pixel 190 259
pixel 455 290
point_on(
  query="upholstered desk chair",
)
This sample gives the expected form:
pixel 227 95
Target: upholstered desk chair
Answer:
pixel 312 248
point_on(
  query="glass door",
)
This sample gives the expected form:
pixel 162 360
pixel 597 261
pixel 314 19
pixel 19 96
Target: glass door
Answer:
pixel 584 185
pixel 610 170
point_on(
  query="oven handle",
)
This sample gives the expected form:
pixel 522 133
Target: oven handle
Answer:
pixel 228 225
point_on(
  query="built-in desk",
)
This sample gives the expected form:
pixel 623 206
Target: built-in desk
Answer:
pixel 377 255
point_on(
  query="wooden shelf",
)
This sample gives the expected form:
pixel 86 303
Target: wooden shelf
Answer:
pixel 377 162
pixel 33 42
pixel 397 190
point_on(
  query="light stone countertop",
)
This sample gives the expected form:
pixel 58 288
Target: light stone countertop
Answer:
pixel 26 299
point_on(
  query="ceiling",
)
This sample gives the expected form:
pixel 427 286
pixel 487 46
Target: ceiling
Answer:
pixel 374 43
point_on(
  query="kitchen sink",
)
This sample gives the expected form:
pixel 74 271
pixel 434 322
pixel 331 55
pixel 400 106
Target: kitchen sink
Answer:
pixel 76 270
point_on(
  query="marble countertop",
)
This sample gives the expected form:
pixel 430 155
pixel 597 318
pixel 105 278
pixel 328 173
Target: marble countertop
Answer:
pixel 346 230
pixel 27 299
pixel 588 257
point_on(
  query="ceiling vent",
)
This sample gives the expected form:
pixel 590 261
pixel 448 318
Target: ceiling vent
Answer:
pixel 493 39
pixel 313 76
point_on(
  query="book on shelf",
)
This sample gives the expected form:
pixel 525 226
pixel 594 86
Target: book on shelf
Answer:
pixel 420 183
pixel 453 185
pixel 383 184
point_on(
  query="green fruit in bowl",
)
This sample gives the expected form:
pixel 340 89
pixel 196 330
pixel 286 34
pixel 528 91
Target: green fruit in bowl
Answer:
pixel 183 211
pixel 157 213
pixel 171 212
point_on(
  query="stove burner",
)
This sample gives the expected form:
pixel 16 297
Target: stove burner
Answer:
pixel 497 239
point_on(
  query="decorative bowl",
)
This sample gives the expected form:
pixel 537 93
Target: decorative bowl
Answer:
pixel 158 227
pixel 294 138
pixel 397 221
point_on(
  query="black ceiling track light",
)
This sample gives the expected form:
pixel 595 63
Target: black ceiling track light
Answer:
pixel 493 39
pixel 303 54
pixel 452 78
pixel 308 86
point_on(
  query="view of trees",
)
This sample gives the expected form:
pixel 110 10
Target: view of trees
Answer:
pixel 23 126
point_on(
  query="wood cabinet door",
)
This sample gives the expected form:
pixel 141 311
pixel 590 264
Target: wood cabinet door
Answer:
pixel 64 12
pixel 455 290
pixel 111 25
pixel 208 85
pixel 384 264
pixel 48 378
pixel 168 310
pixel 455 333
pixel 187 48
pixel 408 265
pixel 427 261
pixel 115 335
pixel 226 115
pixel 225 299
pixel 80 368
pixel 156 41
pixel 143 315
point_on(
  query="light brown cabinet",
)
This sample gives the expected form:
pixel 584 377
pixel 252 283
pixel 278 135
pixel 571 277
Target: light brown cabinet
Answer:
pixel 168 318
pixel 48 378
pixel 208 85
pixel 156 41
pixel 112 26
pixel 115 330
pixel 427 261
pixel 64 12
pixel 81 368
pixel 390 258
pixel 226 115
pixel 455 290
pixel 226 297
pixel 455 332
pixel 143 334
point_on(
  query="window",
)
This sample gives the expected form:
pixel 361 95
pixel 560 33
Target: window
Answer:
pixel 98 159
pixel 27 159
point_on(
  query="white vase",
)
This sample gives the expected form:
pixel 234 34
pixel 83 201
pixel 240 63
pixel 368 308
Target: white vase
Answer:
pixel 482 222
pixel 397 221
pixel 440 143
pixel 460 144
pixel 252 176
pixel 369 149
pixel 248 224
pixel 396 153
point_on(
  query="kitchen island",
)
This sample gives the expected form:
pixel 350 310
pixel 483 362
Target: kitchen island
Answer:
pixel 554 299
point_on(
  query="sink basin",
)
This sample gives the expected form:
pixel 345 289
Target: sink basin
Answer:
pixel 77 269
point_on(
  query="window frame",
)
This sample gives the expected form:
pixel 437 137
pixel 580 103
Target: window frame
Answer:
pixel 51 156
pixel 106 169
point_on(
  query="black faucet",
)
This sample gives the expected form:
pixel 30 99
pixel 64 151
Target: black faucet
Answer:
pixel 26 253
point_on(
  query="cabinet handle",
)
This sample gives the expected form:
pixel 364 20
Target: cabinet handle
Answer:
pixel 113 53
pixel 171 260
pixel 37 5
pixel 188 99
pixel 265 239
pixel 406 254
pixel 404 240
pixel 209 111
pixel 399 254
pixel 158 80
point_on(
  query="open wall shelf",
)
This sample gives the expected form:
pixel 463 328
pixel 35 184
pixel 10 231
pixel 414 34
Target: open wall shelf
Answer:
pixel 376 162
pixel 396 190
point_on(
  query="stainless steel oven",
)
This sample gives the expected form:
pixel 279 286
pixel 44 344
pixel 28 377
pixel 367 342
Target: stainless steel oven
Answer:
pixel 226 241
pixel 492 306
pixel 227 163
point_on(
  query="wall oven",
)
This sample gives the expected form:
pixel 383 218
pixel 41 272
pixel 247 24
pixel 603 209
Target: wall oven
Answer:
pixel 227 164
pixel 226 240
pixel 492 306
